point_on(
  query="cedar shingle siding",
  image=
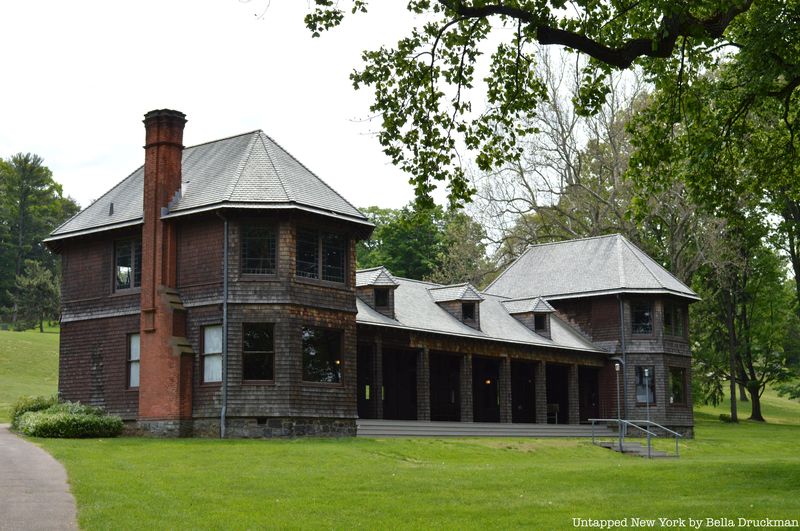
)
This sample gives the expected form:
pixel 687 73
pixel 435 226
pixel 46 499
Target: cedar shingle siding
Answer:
pixel 416 341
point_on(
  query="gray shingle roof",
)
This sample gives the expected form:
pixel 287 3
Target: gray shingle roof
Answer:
pixel 590 266
pixel 455 292
pixel 376 276
pixel 535 304
pixel 245 171
pixel 416 310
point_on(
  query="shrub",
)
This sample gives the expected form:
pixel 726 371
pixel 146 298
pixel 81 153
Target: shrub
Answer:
pixel 62 424
pixel 724 417
pixel 25 404
pixel 75 408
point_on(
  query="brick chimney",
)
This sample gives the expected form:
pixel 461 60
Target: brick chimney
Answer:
pixel 165 387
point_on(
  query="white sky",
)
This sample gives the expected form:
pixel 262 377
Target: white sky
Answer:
pixel 78 77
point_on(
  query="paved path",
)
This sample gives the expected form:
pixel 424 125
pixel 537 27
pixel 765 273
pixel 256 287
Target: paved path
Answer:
pixel 33 487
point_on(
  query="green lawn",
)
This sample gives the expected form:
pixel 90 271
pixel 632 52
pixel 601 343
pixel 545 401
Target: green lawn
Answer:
pixel 748 470
pixel 28 366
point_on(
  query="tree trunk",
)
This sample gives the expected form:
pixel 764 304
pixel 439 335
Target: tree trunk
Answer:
pixel 41 326
pixel 755 413
pixel 732 353
pixel 742 393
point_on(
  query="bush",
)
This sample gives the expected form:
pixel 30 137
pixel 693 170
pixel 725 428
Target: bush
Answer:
pixel 25 404
pixel 724 417
pixel 75 408
pixel 63 424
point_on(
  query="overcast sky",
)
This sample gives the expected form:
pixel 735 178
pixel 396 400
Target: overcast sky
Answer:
pixel 78 76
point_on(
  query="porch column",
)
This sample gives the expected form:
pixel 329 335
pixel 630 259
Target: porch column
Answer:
pixel 540 390
pixel 465 388
pixel 423 385
pixel 572 389
pixel 504 389
pixel 377 377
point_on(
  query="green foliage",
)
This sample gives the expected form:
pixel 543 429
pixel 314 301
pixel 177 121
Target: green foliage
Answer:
pixel 31 206
pixel 27 404
pixel 428 91
pixel 463 257
pixel 37 296
pixel 65 425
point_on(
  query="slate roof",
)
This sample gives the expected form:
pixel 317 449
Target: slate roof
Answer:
pixel 535 304
pixel 376 276
pixel 246 171
pixel 416 310
pixel 591 266
pixel 455 292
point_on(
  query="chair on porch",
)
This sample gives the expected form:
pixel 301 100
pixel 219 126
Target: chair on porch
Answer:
pixel 552 413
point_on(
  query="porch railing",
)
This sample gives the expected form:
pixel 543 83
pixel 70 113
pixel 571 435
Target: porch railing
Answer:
pixel 622 426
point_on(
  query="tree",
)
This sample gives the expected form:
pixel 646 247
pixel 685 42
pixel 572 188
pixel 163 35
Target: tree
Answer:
pixel 407 241
pixel 425 86
pixel 31 205
pixel 37 296
pixel 463 256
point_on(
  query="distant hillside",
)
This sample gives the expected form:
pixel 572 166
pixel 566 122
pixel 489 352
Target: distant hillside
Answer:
pixel 28 366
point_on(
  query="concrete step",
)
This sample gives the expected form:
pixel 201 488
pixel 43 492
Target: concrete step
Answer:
pixel 413 428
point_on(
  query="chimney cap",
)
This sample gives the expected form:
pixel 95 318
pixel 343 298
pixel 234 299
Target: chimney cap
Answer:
pixel 164 113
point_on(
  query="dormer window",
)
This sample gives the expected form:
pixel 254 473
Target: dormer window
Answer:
pixel 381 297
pixel 468 311
pixel 540 322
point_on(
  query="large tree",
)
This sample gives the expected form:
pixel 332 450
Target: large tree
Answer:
pixel 464 79
pixel 31 205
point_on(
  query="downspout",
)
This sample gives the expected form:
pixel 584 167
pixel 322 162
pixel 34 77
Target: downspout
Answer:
pixel 224 409
pixel 624 357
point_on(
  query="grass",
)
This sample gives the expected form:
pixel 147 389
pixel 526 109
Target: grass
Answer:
pixel 28 366
pixel 748 470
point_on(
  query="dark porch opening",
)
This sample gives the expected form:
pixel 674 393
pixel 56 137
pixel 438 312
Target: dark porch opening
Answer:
pixel 445 379
pixel 523 399
pixel 399 384
pixel 366 387
pixel 589 393
pixel 485 396
pixel 557 393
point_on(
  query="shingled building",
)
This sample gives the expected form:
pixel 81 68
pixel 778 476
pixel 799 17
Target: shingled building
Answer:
pixel 214 291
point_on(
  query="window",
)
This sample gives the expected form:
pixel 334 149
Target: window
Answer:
pixel 322 355
pixel 645 386
pixel 258 250
pixel 321 255
pixel 468 311
pixel 133 360
pixel 381 297
pixel 258 351
pixel 677 385
pixel 127 264
pixel 673 320
pixel 540 322
pixel 212 354
pixel 642 318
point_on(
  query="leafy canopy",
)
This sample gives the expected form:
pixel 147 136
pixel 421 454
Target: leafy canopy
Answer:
pixel 424 86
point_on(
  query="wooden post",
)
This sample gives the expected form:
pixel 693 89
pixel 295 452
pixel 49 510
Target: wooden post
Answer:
pixel 540 390
pixel 504 388
pixel 572 389
pixel 465 388
pixel 377 376
pixel 423 385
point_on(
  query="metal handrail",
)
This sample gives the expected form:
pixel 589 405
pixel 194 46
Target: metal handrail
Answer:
pixel 624 423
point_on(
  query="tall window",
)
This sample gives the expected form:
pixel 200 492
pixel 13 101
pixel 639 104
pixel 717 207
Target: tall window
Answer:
pixel 128 264
pixel 677 385
pixel 133 360
pixel 322 355
pixel 258 351
pixel 258 250
pixel 321 255
pixel 673 320
pixel 212 354
pixel 645 386
pixel 642 318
